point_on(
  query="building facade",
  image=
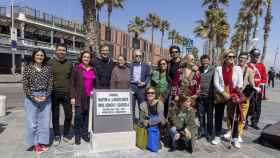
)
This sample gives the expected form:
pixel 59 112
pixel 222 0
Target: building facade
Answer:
pixel 37 29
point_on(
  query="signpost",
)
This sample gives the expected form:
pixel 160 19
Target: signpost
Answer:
pixel 111 121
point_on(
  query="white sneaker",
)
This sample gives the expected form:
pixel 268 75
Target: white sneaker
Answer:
pixel 236 143
pixel 227 135
pixel 240 139
pixel 216 140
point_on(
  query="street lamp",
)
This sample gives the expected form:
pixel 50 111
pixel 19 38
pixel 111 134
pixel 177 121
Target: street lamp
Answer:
pixel 13 38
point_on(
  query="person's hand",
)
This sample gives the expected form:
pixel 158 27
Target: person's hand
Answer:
pixel 187 133
pixel 42 98
pixel 178 60
pixel 146 123
pixel 177 136
pixel 37 99
pixel 226 95
pixel 176 98
pixel 72 101
pixel 141 84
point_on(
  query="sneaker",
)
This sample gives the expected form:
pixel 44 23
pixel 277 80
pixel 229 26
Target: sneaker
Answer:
pixel 44 147
pixel 86 138
pixel 56 140
pixel 69 141
pixel 216 141
pixel 236 143
pixel 38 149
pixel 227 135
pixel 240 139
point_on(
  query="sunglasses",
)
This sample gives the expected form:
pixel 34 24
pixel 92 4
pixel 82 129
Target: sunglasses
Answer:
pixel 148 93
pixel 139 56
pixel 231 56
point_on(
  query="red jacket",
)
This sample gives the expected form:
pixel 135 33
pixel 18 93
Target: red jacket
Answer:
pixel 260 77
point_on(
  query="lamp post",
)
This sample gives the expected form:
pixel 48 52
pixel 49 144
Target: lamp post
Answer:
pixel 13 37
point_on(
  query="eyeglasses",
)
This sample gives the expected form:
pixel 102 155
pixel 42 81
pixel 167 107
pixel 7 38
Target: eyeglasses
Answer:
pixel 150 93
pixel 231 56
pixel 139 56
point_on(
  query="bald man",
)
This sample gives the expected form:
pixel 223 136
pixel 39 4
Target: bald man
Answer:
pixel 139 79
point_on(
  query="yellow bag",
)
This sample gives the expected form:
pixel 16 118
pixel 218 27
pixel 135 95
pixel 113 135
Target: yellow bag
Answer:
pixel 141 137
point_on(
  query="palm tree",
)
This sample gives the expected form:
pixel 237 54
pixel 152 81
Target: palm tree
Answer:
pixel 172 35
pixel 266 28
pixel 137 27
pixel 152 21
pixel 214 27
pixel 89 16
pixel 110 5
pixel 164 26
pixel 257 9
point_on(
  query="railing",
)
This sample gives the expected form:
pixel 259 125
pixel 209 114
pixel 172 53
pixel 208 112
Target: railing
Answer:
pixel 43 17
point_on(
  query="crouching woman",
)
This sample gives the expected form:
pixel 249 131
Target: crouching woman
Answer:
pixel 152 117
pixel 181 120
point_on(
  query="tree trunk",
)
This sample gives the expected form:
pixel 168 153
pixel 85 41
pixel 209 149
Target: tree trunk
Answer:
pixel 161 44
pixel 89 17
pixel 267 24
pixel 248 33
pixel 152 46
pixel 256 25
pixel 110 9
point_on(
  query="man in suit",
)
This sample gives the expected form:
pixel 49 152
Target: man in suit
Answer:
pixel 139 79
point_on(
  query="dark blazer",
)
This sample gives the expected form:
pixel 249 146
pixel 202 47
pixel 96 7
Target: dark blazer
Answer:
pixel 77 88
pixel 145 73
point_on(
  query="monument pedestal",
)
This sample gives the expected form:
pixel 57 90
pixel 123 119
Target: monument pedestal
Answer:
pixel 116 141
pixel 111 122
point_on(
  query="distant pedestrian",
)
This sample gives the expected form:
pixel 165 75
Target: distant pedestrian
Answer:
pixel 82 85
pixel 120 78
pixel 271 76
pixel 37 85
pixel 62 69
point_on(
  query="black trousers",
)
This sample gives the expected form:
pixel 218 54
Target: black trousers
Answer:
pixel 205 115
pixel 255 108
pixel 219 115
pixel 64 100
pixel 81 122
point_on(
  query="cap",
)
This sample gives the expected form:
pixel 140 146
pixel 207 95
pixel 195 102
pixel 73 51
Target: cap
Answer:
pixel 255 52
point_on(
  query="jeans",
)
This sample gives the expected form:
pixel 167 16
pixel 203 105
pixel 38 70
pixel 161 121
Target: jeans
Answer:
pixel 219 115
pixel 205 108
pixel 80 122
pixel 172 133
pixel 38 121
pixel 58 99
pixel 139 96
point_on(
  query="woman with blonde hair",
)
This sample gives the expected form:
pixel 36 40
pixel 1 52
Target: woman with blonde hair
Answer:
pixel 228 83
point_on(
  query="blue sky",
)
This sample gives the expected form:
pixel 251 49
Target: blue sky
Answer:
pixel 182 14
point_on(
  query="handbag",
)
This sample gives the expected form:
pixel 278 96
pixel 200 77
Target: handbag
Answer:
pixel 141 137
pixel 219 98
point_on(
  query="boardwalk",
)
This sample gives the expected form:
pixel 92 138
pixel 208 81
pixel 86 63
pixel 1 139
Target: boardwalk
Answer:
pixel 12 131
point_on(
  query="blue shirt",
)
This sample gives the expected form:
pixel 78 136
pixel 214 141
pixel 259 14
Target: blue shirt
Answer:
pixel 136 78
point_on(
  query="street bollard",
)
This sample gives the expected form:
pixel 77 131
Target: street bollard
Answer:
pixel 3 104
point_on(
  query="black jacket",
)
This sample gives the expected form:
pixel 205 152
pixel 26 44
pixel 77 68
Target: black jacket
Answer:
pixel 103 70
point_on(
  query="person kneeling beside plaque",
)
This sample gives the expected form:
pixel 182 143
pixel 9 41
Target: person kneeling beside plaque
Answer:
pixel 152 117
pixel 181 123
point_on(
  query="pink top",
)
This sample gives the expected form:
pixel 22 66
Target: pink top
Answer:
pixel 89 76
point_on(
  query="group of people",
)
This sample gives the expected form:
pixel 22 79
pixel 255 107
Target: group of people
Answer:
pixel 168 97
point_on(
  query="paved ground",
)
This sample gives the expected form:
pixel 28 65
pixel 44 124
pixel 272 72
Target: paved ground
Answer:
pixel 12 131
